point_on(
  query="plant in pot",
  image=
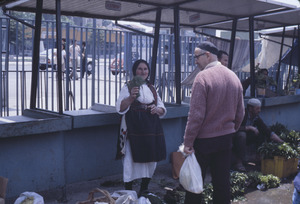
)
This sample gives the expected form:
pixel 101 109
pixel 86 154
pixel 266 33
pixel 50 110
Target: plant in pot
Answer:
pixel 272 149
pixel 296 83
pixel 281 159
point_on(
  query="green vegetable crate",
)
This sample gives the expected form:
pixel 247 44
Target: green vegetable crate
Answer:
pixel 279 166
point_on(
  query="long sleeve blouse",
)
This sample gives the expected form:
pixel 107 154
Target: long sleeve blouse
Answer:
pixel 146 97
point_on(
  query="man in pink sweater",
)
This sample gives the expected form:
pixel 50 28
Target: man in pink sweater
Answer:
pixel 216 113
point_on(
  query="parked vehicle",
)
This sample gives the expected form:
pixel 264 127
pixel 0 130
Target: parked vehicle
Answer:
pixel 116 67
pixel 47 62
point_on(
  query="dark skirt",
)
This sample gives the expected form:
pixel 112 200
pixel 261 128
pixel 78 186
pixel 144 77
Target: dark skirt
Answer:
pixel 146 136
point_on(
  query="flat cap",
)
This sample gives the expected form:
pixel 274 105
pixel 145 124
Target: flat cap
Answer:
pixel 208 46
pixel 254 102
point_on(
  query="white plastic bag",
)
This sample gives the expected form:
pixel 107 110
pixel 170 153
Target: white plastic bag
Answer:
pixel 143 200
pixel 125 197
pixel 30 197
pixel 190 176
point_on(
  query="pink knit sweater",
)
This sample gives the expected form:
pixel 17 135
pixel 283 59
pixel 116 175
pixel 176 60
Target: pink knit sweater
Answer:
pixel 216 106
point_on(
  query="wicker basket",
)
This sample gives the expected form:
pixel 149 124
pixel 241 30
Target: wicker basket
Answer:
pixel 91 199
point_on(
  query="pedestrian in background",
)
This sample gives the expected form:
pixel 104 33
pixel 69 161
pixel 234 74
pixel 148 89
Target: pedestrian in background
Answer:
pixel 83 50
pixel 223 57
pixel 74 55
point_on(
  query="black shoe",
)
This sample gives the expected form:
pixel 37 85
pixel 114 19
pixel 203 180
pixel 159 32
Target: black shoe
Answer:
pixel 240 167
pixel 128 185
pixel 143 193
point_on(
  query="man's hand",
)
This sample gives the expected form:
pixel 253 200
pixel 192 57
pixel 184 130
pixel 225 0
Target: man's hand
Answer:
pixel 276 138
pixel 188 150
pixel 253 129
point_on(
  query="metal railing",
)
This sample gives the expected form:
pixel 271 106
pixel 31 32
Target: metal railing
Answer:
pixel 109 58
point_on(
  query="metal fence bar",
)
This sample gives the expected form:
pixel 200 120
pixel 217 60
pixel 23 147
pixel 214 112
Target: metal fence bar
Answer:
pixel 93 62
pixel 80 74
pixel 53 77
pixel 45 76
pixel 105 66
pixel 1 87
pixel 121 63
pixel 6 98
pixel 87 70
pixel 67 70
pixel 109 95
pixel 22 74
pixel 17 68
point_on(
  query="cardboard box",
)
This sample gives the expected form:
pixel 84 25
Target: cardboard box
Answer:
pixel 279 166
pixel 177 161
pixel 3 185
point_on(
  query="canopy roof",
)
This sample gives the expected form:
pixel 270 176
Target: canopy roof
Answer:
pixel 289 32
pixel 264 21
pixel 192 12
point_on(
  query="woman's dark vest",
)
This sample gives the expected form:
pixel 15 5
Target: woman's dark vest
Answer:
pixel 145 133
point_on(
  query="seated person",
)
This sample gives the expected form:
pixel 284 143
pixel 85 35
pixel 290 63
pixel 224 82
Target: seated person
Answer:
pixel 252 131
pixel 247 82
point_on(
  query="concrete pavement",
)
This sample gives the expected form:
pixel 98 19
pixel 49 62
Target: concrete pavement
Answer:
pixel 162 179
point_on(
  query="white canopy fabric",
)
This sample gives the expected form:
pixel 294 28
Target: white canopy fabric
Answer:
pixel 270 51
pixel 241 51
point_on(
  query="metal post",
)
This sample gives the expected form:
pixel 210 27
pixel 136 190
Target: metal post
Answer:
pixel 290 61
pixel 280 55
pixel 155 46
pixel 232 42
pixel 5 82
pixel 36 53
pixel 1 86
pixel 298 48
pixel 67 67
pixel 93 62
pixel 177 55
pixel 59 50
pixel 252 60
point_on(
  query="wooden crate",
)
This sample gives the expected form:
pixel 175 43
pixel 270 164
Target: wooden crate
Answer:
pixel 279 166
pixel 3 184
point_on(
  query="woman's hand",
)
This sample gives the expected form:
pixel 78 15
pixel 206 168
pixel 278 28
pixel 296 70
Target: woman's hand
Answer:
pixel 156 110
pixel 129 100
pixel 134 92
